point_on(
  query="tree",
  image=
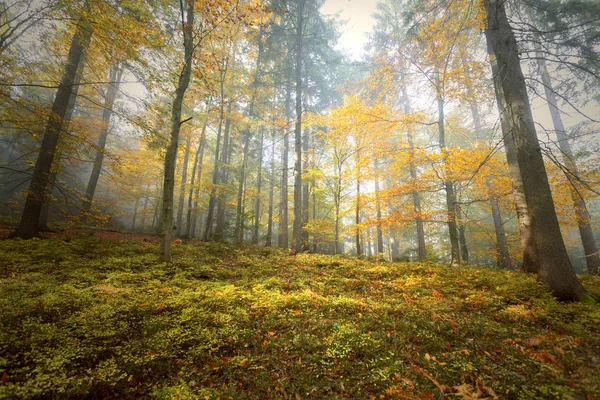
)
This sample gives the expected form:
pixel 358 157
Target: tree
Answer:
pixel 29 224
pixel 555 270
pixel 187 24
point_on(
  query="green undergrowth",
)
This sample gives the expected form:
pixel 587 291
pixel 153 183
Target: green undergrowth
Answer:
pixel 90 317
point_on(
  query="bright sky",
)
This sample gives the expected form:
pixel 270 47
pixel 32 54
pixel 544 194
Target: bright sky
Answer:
pixel 358 14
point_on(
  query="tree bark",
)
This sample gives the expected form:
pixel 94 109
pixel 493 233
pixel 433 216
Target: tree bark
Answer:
pixel 224 176
pixel 258 189
pixel 116 74
pixel 269 238
pixel 195 184
pixel 186 160
pixel 449 186
pixel 171 154
pixel 215 176
pixel 304 237
pixel 297 229
pixel 29 224
pixel 422 252
pixel 572 172
pixel 555 270
pixel 283 208
pixel 378 211
pixel 530 263
pixel 240 219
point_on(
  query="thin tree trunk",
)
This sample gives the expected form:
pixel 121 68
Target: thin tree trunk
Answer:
pixel 572 172
pixel 462 236
pixel 116 74
pixel 378 211
pixel 186 160
pixel 258 189
pixel 29 224
pixel 239 219
pixel 422 252
pixel 449 186
pixel 304 237
pixel 135 210
pixel 297 230
pixel 283 208
pixel 224 175
pixel 145 208
pixel 555 270
pixel 503 255
pixel 171 154
pixel 269 238
pixel 195 185
pixel 215 177
pixel 359 251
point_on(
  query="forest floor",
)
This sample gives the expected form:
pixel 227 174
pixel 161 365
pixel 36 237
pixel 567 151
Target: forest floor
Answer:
pixel 93 314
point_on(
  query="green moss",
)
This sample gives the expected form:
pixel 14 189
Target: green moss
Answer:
pixel 97 318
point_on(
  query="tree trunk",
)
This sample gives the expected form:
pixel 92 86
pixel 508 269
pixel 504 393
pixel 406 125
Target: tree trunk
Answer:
pixel 304 237
pixel 195 185
pixel 530 263
pixel 449 186
pixel 359 251
pixel 224 175
pixel 145 208
pixel 171 154
pixel 116 74
pixel 422 252
pixel 462 236
pixel 215 177
pixel 581 212
pixel 186 160
pixel 135 210
pixel 269 238
pixel 378 211
pixel 29 224
pixel 239 219
pixel 555 270
pixel 258 189
pixel 298 225
pixel 283 208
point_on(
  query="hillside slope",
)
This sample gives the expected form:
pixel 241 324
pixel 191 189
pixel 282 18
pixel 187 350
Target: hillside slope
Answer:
pixel 94 315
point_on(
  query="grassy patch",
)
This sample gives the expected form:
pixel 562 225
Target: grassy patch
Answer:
pixel 99 317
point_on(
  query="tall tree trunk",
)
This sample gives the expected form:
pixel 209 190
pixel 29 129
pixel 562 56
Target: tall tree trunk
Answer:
pixel 135 210
pixel 145 208
pixel 195 185
pixel 359 251
pixel 555 270
pixel 448 184
pixel 503 255
pixel 224 175
pixel 462 235
pixel 422 252
pixel 29 224
pixel 297 230
pixel 530 263
pixel 283 208
pixel 304 237
pixel 45 213
pixel 378 211
pixel 215 176
pixel 269 238
pixel 581 212
pixel 116 74
pixel 171 154
pixel 239 218
pixel 258 189
pixel 186 160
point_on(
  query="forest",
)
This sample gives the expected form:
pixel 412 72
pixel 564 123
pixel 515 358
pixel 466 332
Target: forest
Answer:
pixel 217 199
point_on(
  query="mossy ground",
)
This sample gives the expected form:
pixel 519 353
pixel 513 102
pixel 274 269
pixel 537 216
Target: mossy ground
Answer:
pixel 96 316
